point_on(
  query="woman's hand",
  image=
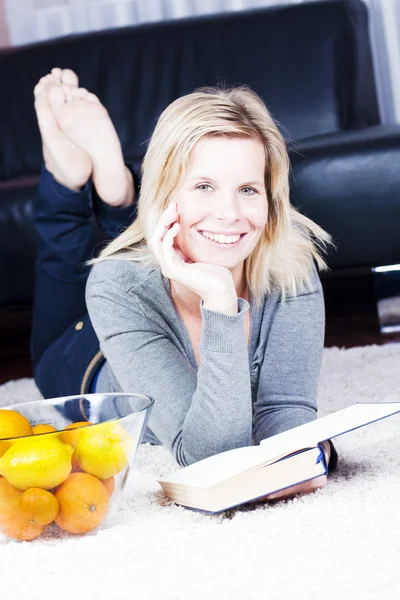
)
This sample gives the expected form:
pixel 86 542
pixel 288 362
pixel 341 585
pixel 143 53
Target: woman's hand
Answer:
pixel 307 487
pixel 206 280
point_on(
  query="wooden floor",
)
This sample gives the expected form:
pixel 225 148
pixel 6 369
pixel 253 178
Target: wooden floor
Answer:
pixel 351 320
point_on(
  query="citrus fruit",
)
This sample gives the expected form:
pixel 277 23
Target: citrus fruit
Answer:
pixel 12 424
pixel 103 451
pixel 38 461
pixel 109 484
pixel 20 529
pixel 13 523
pixel 83 502
pixel 69 436
pixel 38 506
pixel 43 428
pixel 9 498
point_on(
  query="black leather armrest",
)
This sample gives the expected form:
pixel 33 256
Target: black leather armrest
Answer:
pixel 349 183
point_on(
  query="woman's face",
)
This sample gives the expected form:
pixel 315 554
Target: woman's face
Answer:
pixel 223 193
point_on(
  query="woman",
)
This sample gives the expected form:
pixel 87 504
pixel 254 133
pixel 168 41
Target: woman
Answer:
pixel 210 301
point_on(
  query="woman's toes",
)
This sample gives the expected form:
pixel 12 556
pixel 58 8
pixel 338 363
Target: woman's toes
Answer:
pixel 39 87
pixel 67 92
pixel 55 97
pixel 69 77
pixel 78 93
pixel 92 98
pixel 82 93
pixel 45 114
pixel 56 72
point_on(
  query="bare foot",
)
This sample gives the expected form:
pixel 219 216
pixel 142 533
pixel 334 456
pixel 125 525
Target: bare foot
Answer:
pixel 69 164
pixel 86 122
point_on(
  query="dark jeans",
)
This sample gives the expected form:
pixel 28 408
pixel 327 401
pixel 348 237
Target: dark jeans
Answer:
pixel 64 347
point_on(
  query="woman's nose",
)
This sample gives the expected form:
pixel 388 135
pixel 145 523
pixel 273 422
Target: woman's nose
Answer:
pixel 227 206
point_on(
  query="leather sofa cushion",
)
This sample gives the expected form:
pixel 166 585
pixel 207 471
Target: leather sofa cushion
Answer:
pixel 18 241
pixel 349 184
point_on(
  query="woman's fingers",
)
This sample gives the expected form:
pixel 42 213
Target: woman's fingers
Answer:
pixel 167 218
pixel 168 247
pixel 308 487
pixel 198 277
pixel 162 242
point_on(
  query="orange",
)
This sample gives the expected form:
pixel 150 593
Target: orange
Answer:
pixel 109 484
pixel 43 428
pixel 83 502
pixel 9 498
pixel 13 523
pixel 76 467
pixel 21 529
pixel 72 438
pixel 38 506
pixel 12 424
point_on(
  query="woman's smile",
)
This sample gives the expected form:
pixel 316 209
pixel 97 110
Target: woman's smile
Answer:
pixel 222 203
pixel 224 242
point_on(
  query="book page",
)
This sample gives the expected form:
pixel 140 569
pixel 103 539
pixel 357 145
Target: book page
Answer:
pixel 325 428
pixel 214 469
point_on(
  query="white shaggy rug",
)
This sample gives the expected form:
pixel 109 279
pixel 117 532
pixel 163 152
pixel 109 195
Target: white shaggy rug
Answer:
pixel 340 543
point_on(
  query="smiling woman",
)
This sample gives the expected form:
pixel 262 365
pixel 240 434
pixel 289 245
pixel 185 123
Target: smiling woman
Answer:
pixel 205 149
pixel 210 300
pixel 219 222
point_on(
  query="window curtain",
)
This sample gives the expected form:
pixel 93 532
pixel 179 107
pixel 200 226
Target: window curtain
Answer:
pixel 385 40
pixel 32 20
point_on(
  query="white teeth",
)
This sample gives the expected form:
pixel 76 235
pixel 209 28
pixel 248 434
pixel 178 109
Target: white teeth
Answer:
pixel 221 238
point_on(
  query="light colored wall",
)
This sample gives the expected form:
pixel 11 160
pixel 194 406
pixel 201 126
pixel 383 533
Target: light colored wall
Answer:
pixel 4 39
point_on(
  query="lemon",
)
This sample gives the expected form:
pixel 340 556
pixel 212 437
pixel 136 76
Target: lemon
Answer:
pixel 37 461
pixel 104 451
pixel 12 424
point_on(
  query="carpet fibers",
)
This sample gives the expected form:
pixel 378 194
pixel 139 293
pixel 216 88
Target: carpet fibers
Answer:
pixel 341 542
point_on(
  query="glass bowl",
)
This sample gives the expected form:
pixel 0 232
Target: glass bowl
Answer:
pixel 69 476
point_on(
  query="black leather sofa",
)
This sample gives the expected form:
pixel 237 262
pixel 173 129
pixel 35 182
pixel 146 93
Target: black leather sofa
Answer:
pixel 312 65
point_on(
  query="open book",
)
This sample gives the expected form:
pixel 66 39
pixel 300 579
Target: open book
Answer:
pixel 244 474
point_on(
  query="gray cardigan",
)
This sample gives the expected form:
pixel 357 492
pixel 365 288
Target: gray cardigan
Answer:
pixel 239 395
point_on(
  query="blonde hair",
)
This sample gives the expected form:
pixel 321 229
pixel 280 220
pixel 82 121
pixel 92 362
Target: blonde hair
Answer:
pixel 283 257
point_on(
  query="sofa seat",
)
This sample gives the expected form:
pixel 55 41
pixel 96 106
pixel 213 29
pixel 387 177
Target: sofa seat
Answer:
pixel 349 183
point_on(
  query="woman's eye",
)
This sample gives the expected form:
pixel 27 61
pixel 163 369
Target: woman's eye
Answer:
pixel 249 189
